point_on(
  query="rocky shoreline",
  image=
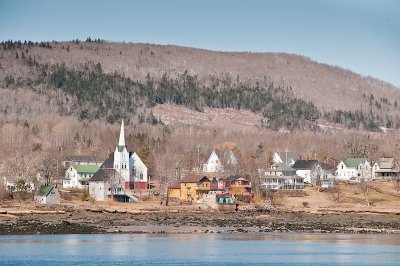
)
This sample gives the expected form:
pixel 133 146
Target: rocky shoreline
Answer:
pixel 69 220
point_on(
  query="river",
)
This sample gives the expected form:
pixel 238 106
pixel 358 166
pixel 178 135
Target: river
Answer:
pixel 200 249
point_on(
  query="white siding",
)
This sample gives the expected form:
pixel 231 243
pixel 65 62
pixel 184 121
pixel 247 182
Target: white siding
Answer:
pixel 139 171
pixel 98 190
pixel 213 164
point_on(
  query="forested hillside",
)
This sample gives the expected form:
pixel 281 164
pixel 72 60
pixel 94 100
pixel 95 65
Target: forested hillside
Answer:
pixel 68 98
pixel 101 80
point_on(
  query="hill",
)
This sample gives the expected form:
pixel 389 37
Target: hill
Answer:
pixel 96 79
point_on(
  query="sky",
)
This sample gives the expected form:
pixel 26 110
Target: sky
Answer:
pixel 359 35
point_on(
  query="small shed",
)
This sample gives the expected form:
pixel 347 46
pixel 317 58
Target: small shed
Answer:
pixel 221 202
pixel 48 195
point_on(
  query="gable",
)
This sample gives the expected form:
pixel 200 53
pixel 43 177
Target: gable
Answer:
pixel 136 160
pixel 283 156
pixel 341 165
pixel 213 157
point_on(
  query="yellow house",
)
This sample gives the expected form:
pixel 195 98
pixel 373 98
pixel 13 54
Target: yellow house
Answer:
pixel 193 188
pixel 174 191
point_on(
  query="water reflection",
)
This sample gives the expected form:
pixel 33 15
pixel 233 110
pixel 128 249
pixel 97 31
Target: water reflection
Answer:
pixel 284 248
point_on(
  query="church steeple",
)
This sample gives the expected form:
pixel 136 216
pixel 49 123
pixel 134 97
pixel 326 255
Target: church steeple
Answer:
pixel 121 141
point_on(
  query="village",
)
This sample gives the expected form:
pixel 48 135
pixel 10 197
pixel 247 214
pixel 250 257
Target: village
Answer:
pixel 220 185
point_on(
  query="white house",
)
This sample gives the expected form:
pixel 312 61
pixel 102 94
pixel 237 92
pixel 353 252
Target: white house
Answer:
pixel 280 176
pixel 220 161
pixel 48 195
pixel 354 169
pixel 310 170
pixel 285 157
pixel 386 169
pixel 128 164
pixel 77 176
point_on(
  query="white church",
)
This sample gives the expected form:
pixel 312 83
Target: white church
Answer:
pixel 128 164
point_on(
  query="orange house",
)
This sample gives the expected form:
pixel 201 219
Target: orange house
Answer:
pixel 194 187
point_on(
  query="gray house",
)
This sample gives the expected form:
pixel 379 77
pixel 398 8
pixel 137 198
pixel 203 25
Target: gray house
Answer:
pixel 108 183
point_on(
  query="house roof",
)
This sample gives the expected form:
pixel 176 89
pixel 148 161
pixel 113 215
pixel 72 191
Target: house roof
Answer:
pixel 304 164
pixel 194 179
pixel 109 162
pixel 234 177
pixel 281 167
pixel 45 190
pixel 386 163
pixel 82 158
pixel 290 155
pixel 175 185
pixel 223 154
pixel 88 169
pixel 104 175
pixel 353 162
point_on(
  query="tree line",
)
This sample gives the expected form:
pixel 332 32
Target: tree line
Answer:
pixel 96 94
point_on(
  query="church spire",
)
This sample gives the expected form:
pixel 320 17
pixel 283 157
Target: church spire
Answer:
pixel 121 141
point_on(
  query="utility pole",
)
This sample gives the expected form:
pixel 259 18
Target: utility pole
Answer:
pixel 149 184
pixel 286 151
pixel 198 158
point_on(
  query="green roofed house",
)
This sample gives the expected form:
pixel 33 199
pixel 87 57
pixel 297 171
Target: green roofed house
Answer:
pixel 77 176
pixel 354 169
pixel 48 195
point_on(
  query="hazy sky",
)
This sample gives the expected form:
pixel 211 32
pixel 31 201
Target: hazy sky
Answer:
pixel 360 35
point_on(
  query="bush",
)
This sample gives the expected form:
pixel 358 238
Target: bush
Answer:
pixel 4 193
pixel 22 190
pixel 85 195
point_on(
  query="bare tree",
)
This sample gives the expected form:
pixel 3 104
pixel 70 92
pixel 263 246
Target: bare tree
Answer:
pixel 336 192
pixel 48 168
pixel 364 186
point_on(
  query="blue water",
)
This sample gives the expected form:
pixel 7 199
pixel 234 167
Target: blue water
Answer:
pixel 200 249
